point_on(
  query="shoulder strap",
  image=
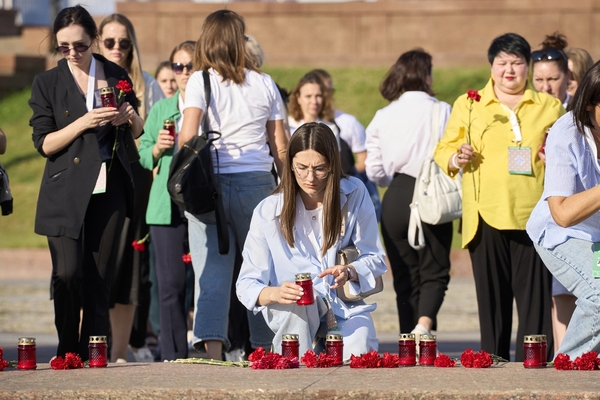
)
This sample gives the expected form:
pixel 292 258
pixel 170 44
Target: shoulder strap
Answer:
pixel 344 212
pixel 435 125
pixel 206 79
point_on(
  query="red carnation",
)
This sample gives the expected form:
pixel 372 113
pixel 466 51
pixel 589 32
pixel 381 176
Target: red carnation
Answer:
pixel 3 363
pixel 467 358
pixel 124 86
pixel 256 354
pixel 325 361
pixel 563 362
pixel 587 361
pixel 473 95
pixel 371 359
pixel 139 245
pixel 309 359
pixel 443 361
pixel 482 359
pixel 73 361
pixel 58 363
pixel 187 258
pixel 390 360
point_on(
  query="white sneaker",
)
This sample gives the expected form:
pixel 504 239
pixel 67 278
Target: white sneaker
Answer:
pixel 143 354
pixel 235 355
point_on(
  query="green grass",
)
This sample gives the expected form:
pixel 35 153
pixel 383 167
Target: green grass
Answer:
pixel 357 92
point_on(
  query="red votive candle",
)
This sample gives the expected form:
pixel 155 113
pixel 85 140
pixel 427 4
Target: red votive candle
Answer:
pixel 544 351
pixel 169 125
pixel 304 279
pixel 98 351
pixel 533 351
pixel 290 347
pixel 427 349
pixel 26 353
pixel 334 346
pixel 107 97
pixel 407 350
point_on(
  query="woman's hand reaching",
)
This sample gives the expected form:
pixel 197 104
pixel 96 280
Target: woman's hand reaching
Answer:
pixel 340 272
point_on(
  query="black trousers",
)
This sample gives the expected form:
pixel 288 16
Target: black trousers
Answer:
pixel 506 266
pixel 420 276
pixel 170 243
pixel 81 268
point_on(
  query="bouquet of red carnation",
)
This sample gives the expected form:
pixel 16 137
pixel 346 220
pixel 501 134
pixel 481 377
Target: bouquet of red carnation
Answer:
pixel 372 360
pixel 481 359
pixel 263 360
pixel 70 361
pixel 586 362
pixel 311 360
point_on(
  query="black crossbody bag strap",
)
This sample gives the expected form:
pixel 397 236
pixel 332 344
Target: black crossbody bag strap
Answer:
pixel 222 229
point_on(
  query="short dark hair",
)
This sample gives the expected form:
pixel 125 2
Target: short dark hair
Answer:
pixel 409 73
pixel 76 15
pixel 510 43
pixel 586 96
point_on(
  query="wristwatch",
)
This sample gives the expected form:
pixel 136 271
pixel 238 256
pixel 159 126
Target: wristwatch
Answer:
pixel 351 273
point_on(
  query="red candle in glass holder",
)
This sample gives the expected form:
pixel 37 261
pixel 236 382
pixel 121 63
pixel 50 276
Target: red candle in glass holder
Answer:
pixel 334 346
pixel 544 351
pixel 169 125
pixel 26 353
pixel 290 347
pixel 304 279
pixel 427 349
pixel 407 350
pixel 107 97
pixel 98 351
pixel 533 351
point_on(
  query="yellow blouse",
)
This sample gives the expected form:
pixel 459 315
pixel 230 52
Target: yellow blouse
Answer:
pixel 503 200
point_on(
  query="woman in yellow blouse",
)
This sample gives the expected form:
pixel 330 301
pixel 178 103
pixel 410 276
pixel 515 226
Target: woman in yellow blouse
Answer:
pixel 495 140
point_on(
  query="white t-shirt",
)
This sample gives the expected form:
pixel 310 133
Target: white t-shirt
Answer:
pixel 240 113
pixel 399 136
pixel 351 131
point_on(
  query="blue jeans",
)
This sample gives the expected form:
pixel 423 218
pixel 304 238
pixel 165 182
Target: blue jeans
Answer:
pixel 241 193
pixel 571 263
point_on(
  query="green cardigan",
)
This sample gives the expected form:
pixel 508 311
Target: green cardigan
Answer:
pixel 159 204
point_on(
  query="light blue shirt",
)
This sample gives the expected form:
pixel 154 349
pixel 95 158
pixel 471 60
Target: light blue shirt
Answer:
pixel 571 167
pixel 270 261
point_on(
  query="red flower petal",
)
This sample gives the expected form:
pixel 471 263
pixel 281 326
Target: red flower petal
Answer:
pixel 257 354
pixel 563 362
pixel 466 358
pixel 482 359
pixel 58 363
pixel 443 361
pixel 587 361
pixel 309 359
pixel 73 361
pixel 390 360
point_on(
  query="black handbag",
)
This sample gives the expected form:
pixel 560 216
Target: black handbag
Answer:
pixel 192 183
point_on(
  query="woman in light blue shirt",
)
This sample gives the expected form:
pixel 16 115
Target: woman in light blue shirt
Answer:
pixel 296 230
pixel 565 224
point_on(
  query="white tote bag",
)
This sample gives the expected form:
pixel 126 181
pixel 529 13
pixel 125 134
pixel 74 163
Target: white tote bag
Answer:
pixel 437 198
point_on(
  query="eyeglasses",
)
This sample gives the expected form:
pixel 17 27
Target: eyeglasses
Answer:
pixel 548 54
pixel 124 44
pixel 79 48
pixel 319 172
pixel 178 67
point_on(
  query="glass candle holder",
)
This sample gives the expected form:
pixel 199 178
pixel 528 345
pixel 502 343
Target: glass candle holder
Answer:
pixel 334 345
pixel 290 347
pixel 107 97
pixel 26 353
pixel 98 352
pixel 427 349
pixel 304 279
pixel 533 351
pixel 407 350
pixel 544 351
pixel 169 125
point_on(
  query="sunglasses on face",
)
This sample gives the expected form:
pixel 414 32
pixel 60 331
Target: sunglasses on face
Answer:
pixel 124 44
pixel 79 48
pixel 548 54
pixel 178 67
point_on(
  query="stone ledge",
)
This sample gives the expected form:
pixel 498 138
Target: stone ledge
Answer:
pixel 182 381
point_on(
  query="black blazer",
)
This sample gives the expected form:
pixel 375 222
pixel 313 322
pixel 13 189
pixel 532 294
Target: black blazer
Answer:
pixel 70 175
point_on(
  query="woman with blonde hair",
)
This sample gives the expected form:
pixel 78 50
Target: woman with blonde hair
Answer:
pixel 579 63
pixel 245 107
pixel 130 284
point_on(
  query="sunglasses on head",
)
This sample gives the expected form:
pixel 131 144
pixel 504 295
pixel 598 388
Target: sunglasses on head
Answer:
pixel 79 48
pixel 124 44
pixel 548 54
pixel 178 67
